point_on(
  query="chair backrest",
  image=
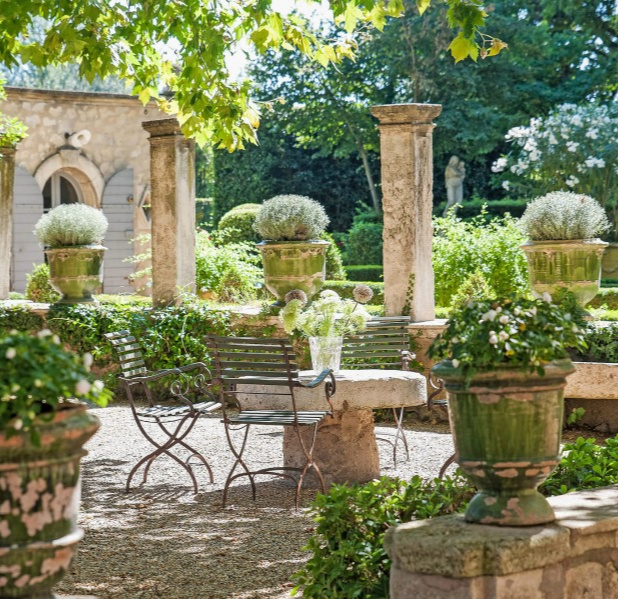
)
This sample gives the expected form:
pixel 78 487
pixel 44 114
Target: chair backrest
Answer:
pixel 129 353
pixel 380 345
pixel 254 360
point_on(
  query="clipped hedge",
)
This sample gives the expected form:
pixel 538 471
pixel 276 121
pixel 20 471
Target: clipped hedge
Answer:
pixel 606 297
pixel 364 243
pixel 365 272
pixel 236 226
pixel 345 288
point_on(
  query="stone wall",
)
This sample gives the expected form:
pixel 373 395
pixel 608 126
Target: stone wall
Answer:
pixel 574 558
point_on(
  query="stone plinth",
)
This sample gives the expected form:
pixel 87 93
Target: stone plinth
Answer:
pixel 172 177
pixel 575 557
pixel 407 199
pixel 346 449
pixel 7 175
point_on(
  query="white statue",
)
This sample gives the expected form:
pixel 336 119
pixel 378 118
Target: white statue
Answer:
pixel 454 174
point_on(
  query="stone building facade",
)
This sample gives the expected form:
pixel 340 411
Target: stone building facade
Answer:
pixel 81 147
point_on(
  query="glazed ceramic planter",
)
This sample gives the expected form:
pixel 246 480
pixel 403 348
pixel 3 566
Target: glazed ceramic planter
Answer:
pixel 292 265
pixel 39 500
pixel 573 264
pixel 75 272
pixel 507 427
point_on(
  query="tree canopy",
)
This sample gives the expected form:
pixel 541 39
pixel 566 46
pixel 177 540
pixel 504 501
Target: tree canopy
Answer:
pixel 182 46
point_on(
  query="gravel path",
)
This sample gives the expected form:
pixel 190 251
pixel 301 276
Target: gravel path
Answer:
pixel 161 541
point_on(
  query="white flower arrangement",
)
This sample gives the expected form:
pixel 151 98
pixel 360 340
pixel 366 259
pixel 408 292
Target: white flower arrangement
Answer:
pixel 328 316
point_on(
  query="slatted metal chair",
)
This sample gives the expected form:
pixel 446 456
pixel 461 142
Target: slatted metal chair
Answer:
pixel 434 400
pixel 190 397
pixel 384 344
pixel 269 363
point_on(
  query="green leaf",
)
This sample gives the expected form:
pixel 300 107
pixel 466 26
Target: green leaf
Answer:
pixel 422 5
pixel 461 47
pixel 352 15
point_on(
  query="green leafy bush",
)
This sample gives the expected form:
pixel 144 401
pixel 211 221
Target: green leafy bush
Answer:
pixel 493 249
pixel 602 341
pixel 564 215
pixel 365 272
pixel 229 271
pixel 364 243
pixel 348 558
pixel 20 318
pixel 38 288
pixel 345 290
pixel 607 297
pixel 474 288
pixel 334 263
pixel 236 226
pixel 291 218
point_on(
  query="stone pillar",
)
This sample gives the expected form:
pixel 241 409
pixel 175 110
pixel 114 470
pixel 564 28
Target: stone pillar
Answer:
pixel 172 181
pixel 407 183
pixel 7 179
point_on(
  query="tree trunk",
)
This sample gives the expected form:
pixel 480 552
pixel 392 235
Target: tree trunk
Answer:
pixel 375 198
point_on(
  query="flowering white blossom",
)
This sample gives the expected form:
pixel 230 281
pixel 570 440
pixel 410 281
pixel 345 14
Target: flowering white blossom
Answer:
pixel 503 335
pixel 98 385
pixel 572 181
pixel 88 360
pixel 592 134
pixel 546 297
pixel 10 353
pixel 491 315
pixel 506 185
pixel 44 333
pixel 493 339
pixel 455 363
pixel 504 319
pixel 572 146
pixel 18 424
pixel 499 165
pixel 591 162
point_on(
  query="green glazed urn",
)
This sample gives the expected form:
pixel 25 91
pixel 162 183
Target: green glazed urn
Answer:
pixel 571 264
pixel 39 500
pixel 292 265
pixel 507 427
pixel 76 272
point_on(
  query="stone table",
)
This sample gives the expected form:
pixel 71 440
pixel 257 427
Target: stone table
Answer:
pixel 345 449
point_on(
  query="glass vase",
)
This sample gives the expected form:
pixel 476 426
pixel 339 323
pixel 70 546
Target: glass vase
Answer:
pixel 325 353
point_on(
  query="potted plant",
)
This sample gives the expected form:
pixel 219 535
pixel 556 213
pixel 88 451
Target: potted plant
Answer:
pixel 504 365
pixel 72 235
pixel 42 432
pixel 292 254
pixel 563 249
pixel 325 322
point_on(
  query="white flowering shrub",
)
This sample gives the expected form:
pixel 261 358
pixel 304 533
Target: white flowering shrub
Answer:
pixel 291 218
pixel 573 148
pixel 564 215
pixel 71 224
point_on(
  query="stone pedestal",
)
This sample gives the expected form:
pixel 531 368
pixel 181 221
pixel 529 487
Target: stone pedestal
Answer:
pixel 7 177
pixel 575 557
pixel 345 448
pixel 407 192
pixel 172 179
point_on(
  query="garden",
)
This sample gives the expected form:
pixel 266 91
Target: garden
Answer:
pixel 277 429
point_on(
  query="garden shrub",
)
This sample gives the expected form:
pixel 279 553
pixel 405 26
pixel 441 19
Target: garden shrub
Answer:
pixel 606 297
pixel 236 226
pixel 602 341
pixel 365 272
pixel 334 262
pixel 20 318
pixel 345 289
pixel 364 243
pixel 348 558
pixel 491 248
pixel 475 287
pixel 230 271
pixel 488 209
pixel 38 288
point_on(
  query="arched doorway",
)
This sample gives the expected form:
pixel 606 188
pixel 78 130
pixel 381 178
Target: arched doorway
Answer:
pixel 61 188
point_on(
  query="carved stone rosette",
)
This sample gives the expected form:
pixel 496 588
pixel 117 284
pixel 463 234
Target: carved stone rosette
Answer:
pixel 39 501
pixel 292 265
pixel 573 264
pixel 76 272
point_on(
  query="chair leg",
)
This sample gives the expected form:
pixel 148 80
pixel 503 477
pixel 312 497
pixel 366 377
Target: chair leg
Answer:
pixel 400 434
pixel 239 461
pixel 446 464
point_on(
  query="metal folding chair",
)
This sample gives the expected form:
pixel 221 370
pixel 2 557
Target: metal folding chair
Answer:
pixel 177 419
pixel 271 364
pixel 384 344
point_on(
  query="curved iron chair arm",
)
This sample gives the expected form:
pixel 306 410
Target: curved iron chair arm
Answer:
pixel 330 386
pixel 318 379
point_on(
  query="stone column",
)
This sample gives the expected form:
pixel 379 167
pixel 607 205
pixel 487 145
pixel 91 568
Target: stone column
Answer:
pixel 407 184
pixel 7 179
pixel 172 181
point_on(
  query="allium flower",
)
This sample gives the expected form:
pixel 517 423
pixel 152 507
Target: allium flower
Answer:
pixel 362 294
pixel 296 294
pixel 82 387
